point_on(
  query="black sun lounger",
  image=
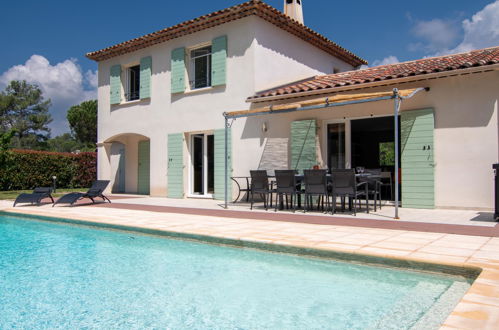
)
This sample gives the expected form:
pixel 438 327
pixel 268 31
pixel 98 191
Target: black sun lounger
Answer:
pixel 96 190
pixel 35 197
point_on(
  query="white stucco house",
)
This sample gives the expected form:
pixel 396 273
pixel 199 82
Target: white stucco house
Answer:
pixel 162 97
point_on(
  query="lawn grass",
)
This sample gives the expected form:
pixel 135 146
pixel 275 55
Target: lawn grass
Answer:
pixel 11 195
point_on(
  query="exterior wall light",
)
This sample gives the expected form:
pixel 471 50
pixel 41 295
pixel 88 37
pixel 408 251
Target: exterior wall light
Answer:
pixel 265 127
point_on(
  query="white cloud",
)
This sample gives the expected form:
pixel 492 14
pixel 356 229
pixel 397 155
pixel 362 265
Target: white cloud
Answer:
pixel 481 31
pixel 436 33
pixel 63 83
pixel 440 38
pixel 387 60
pixel 91 77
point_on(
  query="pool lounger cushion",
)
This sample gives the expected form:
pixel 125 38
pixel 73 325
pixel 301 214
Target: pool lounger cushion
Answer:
pixel 96 190
pixel 35 197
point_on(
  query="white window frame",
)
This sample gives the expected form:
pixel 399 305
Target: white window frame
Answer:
pixel 126 85
pixel 191 193
pixel 191 66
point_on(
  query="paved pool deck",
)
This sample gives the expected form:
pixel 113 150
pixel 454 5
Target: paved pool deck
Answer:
pixel 436 242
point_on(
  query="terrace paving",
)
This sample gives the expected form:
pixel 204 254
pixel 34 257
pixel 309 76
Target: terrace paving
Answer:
pixel 478 309
pixel 437 216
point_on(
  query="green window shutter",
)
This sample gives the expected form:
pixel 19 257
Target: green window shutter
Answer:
pixel 115 84
pixel 175 165
pixel 219 61
pixel 145 77
pixel 143 182
pixel 417 130
pixel 303 145
pixel 178 70
pixel 220 164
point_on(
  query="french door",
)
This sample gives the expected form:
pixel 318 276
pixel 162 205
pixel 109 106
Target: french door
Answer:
pixel 202 178
pixel 338 144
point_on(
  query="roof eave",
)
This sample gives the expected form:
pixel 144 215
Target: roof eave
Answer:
pixel 254 7
pixel 442 74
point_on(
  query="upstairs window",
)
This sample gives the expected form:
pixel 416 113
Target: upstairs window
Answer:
pixel 200 68
pixel 132 86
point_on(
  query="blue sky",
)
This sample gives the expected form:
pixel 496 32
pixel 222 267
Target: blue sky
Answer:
pixel 45 41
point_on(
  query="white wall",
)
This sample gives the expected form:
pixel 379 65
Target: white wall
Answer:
pixel 281 58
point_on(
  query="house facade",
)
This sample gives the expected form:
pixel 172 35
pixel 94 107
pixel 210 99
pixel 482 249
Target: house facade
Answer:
pixel 162 98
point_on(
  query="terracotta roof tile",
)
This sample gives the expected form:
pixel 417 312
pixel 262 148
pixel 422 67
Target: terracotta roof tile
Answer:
pixel 481 57
pixel 253 7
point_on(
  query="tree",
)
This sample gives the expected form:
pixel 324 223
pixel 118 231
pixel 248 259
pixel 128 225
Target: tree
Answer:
pixel 5 140
pixel 82 120
pixel 24 110
pixel 64 143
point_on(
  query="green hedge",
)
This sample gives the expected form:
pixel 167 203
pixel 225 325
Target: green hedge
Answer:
pixel 26 169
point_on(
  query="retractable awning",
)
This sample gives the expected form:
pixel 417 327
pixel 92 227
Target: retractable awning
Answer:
pixel 324 103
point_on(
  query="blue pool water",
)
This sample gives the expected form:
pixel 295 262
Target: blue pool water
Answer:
pixel 62 276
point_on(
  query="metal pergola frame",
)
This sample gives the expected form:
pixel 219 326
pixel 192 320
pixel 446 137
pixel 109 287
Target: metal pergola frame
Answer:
pixel 396 97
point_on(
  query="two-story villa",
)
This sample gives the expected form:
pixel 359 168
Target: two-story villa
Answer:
pixel 162 97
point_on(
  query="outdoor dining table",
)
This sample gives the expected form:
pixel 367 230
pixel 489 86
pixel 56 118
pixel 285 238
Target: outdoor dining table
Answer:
pixel 362 177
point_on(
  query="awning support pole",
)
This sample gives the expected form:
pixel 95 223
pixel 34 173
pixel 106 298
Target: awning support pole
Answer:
pixel 226 172
pixel 397 101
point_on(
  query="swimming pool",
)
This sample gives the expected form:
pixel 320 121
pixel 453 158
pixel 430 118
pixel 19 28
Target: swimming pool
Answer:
pixel 61 276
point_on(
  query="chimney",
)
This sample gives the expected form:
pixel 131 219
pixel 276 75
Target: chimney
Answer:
pixel 294 9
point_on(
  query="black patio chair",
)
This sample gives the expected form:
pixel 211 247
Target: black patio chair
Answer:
pixel 286 185
pixel 344 184
pixel 387 182
pixel 35 197
pixel 374 185
pixel 315 185
pixel 260 185
pixel 95 191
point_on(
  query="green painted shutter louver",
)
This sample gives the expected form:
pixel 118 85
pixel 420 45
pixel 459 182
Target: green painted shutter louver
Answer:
pixel 115 84
pixel 417 131
pixel 175 165
pixel 220 164
pixel 178 70
pixel 145 77
pixel 303 145
pixel 144 182
pixel 219 61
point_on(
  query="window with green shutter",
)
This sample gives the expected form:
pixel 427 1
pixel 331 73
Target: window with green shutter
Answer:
pixel 200 68
pixel 178 70
pixel 219 61
pixel 115 84
pixel 145 77
pixel 303 145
